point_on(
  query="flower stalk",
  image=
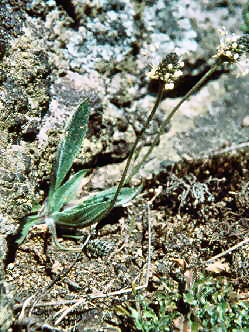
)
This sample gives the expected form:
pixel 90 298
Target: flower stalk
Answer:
pixel 167 72
pixel 169 117
pixel 230 50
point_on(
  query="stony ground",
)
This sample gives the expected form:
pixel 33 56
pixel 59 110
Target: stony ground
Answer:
pixel 55 53
pixel 196 210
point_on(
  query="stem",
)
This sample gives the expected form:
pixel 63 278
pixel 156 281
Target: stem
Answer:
pixel 122 180
pixel 51 226
pixel 167 120
pixel 152 113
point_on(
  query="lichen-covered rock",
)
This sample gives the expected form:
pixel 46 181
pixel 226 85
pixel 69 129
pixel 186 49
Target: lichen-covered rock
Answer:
pixel 107 32
pixel 56 53
pixel 6 312
pixel 23 101
pixel 17 187
pixel 24 87
pixel 6 294
pixel 222 125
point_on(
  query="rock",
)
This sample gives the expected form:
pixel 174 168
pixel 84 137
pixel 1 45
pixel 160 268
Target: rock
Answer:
pixel 56 54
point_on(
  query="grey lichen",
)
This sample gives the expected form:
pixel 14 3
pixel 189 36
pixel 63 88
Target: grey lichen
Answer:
pixel 23 100
pixel 24 90
pixel 6 313
pixel 16 186
pixel 100 248
pixel 6 294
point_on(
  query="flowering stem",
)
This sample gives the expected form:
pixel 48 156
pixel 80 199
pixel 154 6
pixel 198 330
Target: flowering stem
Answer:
pixel 169 117
pixel 122 180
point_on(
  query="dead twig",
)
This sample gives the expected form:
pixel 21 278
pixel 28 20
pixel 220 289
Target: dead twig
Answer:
pixel 18 307
pixel 31 323
pixel 227 149
pixel 240 244
pixel 43 292
pixel 120 292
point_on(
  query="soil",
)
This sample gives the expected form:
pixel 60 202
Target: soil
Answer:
pixel 53 55
pixel 196 209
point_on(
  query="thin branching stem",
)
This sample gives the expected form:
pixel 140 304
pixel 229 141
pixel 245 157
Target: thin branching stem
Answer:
pixel 169 117
pixel 139 136
pixel 123 179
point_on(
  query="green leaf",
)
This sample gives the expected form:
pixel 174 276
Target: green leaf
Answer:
pixel 80 217
pixel 71 144
pixel 66 192
pixel 125 196
pixel 86 213
pixel 36 206
pixel 29 223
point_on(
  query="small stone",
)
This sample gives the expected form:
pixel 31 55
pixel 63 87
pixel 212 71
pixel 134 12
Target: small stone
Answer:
pixel 245 122
pixel 11 266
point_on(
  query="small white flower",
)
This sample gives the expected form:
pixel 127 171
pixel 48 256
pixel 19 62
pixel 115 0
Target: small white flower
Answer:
pixel 229 49
pixel 229 54
pixel 167 70
pixel 177 73
pixel 166 77
pixel 170 66
pixel 152 74
pixel 236 56
pixel 181 64
pixel 169 86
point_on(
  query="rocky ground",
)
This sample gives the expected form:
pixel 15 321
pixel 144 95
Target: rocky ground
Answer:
pixel 195 185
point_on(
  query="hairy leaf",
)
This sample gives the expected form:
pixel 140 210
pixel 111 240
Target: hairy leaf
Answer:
pixel 71 143
pixel 86 213
pixel 29 223
pixel 125 196
pixel 80 217
pixel 66 192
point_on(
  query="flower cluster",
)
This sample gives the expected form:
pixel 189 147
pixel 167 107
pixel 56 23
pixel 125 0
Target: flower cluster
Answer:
pixel 168 70
pixel 231 47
